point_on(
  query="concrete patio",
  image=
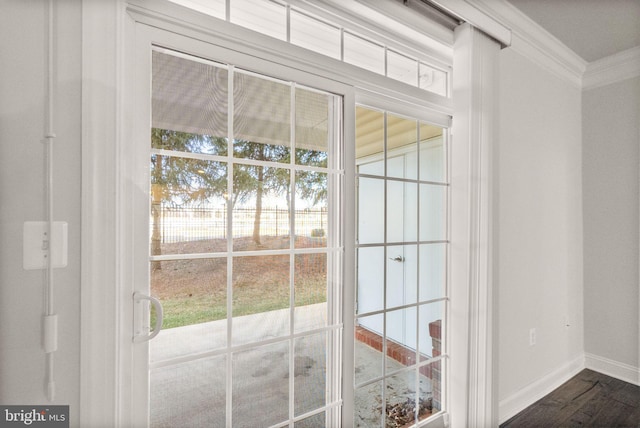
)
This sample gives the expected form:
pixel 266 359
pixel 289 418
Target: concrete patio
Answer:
pixel 193 393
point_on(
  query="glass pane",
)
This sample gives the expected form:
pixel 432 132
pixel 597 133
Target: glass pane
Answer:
pixel 260 297
pixel 262 119
pixel 432 212
pixel 368 406
pixel 402 135
pixel 310 291
pixel 369 141
pixel 363 53
pixel 431 332
pixel 395 166
pixel 310 356
pixel 311 209
pixel 261 382
pixel 433 80
pixel 433 269
pixel 216 8
pixel 375 167
pixel 188 205
pixel 403 165
pixel 193 294
pixel 312 128
pixel 402 275
pixel 314 35
pixel 185 142
pixel 265 17
pixel 369 132
pixel 431 388
pixel 370 210
pixel 368 348
pixel 188 394
pixel 401 339
pixel 432 154
pixel 402 211
pixel 189 105
pixel 315 421
pixel 261 208
pixel 402 401
pixel 402 68
pixel 370 279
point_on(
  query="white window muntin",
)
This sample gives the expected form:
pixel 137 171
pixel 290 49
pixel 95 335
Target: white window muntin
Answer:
pixel 445 183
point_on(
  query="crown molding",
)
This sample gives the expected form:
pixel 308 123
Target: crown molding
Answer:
pixel 531 40
pixel 477 15
pixel 612 69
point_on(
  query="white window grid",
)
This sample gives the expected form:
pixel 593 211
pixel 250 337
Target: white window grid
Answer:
pixel 444 300
pixel 283 21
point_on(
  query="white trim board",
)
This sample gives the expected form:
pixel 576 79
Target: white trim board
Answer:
pixel 473 383
pixel 511 406
pixel 612 69
pixel 616 369
pixel 525 397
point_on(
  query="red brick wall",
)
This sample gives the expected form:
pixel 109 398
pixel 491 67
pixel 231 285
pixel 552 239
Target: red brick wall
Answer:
pixel 435 331
pixel 407 357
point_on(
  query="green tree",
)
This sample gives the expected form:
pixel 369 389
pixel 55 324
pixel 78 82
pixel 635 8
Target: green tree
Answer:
pixel 312 185
pixel 177 180
pixel 260 180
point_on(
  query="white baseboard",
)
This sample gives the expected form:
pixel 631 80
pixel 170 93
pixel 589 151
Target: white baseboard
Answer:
pixel 613 368
pixel 531 393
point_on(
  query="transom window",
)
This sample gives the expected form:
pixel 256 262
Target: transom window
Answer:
pixel 299 27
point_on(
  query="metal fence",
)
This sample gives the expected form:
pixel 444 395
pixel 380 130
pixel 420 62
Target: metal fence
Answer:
pixel 179 224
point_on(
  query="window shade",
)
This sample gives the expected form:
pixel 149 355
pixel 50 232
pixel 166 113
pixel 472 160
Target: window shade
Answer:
pixel 192 96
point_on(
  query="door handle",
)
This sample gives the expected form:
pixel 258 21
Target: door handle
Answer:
pixel 399 259
pixel 138 297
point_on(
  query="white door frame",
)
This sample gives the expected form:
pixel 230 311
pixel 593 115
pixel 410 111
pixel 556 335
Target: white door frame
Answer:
pixel 474 370
pixel 135 190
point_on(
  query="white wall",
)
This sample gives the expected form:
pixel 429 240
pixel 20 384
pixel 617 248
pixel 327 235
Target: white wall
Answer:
pixel 539 226
pixel 611 130
pixel 22 117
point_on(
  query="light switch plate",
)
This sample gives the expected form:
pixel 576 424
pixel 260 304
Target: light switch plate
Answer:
pixel 37 245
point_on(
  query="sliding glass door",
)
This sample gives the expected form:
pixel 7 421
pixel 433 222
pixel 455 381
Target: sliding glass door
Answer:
pixel 401 269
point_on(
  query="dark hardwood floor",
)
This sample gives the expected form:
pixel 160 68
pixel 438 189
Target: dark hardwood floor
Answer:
pixel 589 399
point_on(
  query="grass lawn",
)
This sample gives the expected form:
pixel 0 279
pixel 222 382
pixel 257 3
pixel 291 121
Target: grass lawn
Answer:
pixel 194 291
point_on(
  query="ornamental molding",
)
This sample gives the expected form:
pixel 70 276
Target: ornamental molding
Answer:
pixel 612 69
pixel 534 42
